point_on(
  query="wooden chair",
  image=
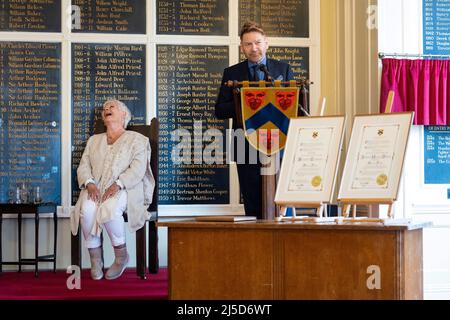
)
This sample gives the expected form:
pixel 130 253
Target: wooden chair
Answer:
pixel 151 131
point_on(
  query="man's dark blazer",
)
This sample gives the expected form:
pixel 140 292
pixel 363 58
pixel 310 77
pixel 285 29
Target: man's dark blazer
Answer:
pixel 249 174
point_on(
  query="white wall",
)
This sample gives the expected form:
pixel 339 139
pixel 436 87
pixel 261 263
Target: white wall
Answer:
pixel 400 31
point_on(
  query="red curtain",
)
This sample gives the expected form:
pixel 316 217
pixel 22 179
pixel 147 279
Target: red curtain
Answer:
pixel 421 86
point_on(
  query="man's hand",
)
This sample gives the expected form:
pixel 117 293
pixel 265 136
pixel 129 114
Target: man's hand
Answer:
pixel 110 192
pixel 93 192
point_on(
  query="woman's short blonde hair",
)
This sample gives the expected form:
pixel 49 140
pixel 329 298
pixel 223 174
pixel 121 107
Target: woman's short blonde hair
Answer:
pixel 122 107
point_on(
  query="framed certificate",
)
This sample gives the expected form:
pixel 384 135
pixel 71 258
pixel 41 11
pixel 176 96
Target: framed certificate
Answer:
pixel 310 161
pixel 375 157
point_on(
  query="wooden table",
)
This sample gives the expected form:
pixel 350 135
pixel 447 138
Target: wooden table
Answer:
pixel 294 260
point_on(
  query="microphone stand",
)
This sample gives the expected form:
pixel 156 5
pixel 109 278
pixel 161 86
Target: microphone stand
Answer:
pixel 304 100
pixel 267 76
pixel 269 180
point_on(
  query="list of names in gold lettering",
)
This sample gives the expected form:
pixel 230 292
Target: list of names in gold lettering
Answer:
pixel 101 72
pixel 111 16
pixel 26 15
pixel 296 57
pixel 279 18
pixel 201 17
pixel 188 79
pixel 30 118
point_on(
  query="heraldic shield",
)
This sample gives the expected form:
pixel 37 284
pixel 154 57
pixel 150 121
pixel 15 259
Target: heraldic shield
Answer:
pixel 266 113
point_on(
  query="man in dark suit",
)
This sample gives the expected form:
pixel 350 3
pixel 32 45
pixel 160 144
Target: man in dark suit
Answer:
pixel 254 46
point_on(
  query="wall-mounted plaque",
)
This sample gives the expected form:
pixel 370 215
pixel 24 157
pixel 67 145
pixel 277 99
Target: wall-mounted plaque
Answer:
pixel 106 16
pixel 278 18
pixel 188 80
pixel 297 57
pixel 207 17
pixel 436 27
pixel 30 120
pixel 101 72
pixel 31 16
pixel 436 147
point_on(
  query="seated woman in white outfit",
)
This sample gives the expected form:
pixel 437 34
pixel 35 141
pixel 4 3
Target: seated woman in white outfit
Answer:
pixel 114 176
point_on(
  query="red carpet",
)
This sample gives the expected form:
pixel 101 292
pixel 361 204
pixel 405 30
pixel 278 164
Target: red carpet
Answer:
pixel 52 286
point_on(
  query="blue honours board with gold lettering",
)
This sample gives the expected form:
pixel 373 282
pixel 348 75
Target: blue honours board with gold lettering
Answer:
pixel 437 154
pixel 192 17
pixel 188 80
pixel 30 120
pixel 278 18
pixel 436 27
pixel 106 16
pixel 101 72
pixel 297 57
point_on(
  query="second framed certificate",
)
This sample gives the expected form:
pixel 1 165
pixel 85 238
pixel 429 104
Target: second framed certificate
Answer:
pixel 375 158
pixel 308 171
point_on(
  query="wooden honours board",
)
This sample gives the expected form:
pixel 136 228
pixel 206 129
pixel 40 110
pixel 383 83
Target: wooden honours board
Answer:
pixel 99 72
pixel 188 80
pixel 30 119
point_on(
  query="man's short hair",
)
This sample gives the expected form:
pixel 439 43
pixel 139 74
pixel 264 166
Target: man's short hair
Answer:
pixel 251 26
pixel 122 107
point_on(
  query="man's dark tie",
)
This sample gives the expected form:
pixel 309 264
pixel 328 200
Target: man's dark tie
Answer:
pixel 255 73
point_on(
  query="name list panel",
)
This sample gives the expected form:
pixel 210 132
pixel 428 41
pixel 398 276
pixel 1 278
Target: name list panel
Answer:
pixel 297 57
pixel 30 119
pixel 101 72
pixel 436 154
pixel 109 16
pixel 188 80
pixel 203 17
pixel 436 27
pixel 280 18
pixel 26 15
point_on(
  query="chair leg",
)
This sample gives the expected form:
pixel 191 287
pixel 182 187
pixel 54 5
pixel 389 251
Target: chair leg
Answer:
pixel 36 244
pixel 75 244
pixel 153 264
pixel 140 252
pixel 103 252
pixel 1 253
pixel 55 238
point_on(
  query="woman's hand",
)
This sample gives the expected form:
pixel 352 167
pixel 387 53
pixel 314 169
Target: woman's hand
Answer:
pixel 110 192
pixel 93 192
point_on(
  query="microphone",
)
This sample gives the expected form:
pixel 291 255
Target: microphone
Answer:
pixel 263 68
pixel 304 111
